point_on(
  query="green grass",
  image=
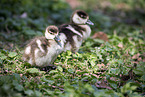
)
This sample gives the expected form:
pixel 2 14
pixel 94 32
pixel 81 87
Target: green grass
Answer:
pixel 100 69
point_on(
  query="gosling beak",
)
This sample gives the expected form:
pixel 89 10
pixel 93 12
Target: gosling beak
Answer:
pixel 89 22
pixel 57 39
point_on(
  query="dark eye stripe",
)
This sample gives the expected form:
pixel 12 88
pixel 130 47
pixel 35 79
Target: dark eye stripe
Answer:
pixel 82 14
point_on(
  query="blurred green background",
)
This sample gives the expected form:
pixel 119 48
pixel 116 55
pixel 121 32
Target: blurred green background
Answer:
pixel 21 20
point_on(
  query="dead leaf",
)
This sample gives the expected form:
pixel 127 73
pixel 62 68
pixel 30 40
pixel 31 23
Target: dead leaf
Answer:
pixel 73 3
pixel 105 4
pixel 100 35
pixel 120 45
pixel 136 56
pixel 122 6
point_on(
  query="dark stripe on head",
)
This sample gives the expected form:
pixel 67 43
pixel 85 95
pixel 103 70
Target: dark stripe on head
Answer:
pixel 52 29
pixel 80 13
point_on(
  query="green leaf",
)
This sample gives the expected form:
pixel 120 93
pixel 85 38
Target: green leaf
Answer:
pixel 143 77
pixel 33 70
pixel 6 87
pixel 92 62
pixel 17 76
pixel 69 53
pixel 29 92
pixel 133 87
pixel 115 70
pixel 53 71
pixel 113 84
pixel 70 70
pixel 37 93
pixel 99 41
pixel 12 54
pixel 39 33
pixel 48 91
pixel 127 88
pixel 50 81
pixel 30 32
pixel 59 68
pixel 15 83
pixel 19 87
pixel 2 56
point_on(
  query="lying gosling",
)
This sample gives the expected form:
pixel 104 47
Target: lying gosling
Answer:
pixel 42 51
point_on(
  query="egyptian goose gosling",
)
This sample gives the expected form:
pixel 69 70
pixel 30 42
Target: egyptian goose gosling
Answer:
pixel 42 51
pixel 76 31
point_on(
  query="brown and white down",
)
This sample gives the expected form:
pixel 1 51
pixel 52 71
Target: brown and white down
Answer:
pixel 76 31
pixel 42 51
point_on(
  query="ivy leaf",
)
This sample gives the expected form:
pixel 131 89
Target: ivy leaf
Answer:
pixel 29 92
pixel 59 68
pixel 19 87
pixel 39 33
pixel 12 54
pixel 37 93
pixel 143 77
pixel 69 53
pixel 53 71
pixel 30 32
pixel 48 91
pixel 92 62
pixel 70 70
pixel 2 56
pixel 99 41
pixel 33 70
pixel 126 88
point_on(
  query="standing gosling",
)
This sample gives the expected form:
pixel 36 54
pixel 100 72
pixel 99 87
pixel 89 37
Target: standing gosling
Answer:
pixel 76 31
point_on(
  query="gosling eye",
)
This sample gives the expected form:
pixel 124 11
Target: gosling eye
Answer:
pixel 82 16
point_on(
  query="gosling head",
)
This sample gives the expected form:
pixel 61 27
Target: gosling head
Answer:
pixel 80 17
pixel 52 33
